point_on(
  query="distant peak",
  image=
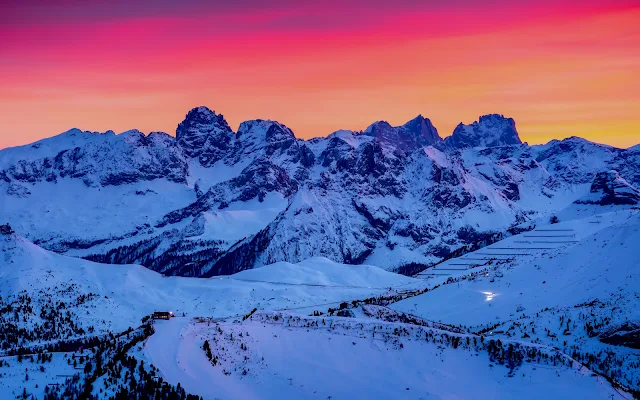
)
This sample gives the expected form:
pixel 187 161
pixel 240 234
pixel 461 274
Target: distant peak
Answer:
pixel 264 134
pixel 493 117
pixel 259 124
pixel 131 132
pixel 79 132
pixel 490 130
pixel 204 134
pixel 204 115
pixel 423 127
pixel 201 110
pixel 418 118
pixel 201 120
pixel 416 133
pixel 73 131
pixel 376 126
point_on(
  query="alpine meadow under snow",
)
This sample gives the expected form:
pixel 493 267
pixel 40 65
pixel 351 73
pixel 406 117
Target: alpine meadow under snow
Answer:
pixel 387 263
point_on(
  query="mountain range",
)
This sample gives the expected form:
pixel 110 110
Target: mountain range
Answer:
pixel 211 201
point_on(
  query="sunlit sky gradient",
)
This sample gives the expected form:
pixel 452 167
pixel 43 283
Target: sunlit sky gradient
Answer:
pixel 559 67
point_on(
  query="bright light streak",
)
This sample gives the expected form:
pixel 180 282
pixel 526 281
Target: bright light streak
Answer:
pixel 489 295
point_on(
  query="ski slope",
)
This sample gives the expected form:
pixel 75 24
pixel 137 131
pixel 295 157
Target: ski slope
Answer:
pixel 317 363
pixel 561 264
pixel 573 291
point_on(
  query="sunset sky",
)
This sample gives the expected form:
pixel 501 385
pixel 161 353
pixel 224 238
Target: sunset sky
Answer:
pixel 558 67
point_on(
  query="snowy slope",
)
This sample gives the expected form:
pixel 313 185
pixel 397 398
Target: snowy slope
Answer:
pixel 572 285
pixel 577 260
pixel 322 271
pixel 126 293
pixel 98 299
pixel 344 361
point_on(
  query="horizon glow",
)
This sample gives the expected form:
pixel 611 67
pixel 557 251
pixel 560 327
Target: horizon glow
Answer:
pixel 559 68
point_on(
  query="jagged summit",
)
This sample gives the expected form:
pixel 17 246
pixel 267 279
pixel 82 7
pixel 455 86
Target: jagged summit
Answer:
pixel 73 131
pixel 416 133
pixel 490 130
pixel 422 127
pixel 261 134
pixel 205 135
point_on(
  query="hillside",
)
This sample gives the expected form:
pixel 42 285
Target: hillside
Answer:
pixel 112 298
pixel 289 359
pixel 54 303
pixel 573 285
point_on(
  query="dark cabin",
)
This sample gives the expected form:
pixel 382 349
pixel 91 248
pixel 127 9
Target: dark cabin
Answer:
pixel 162 315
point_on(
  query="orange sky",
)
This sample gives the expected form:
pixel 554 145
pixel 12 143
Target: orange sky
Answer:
pixel 559 68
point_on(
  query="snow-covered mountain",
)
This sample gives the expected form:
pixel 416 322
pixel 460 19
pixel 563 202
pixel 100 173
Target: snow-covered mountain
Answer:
pixel 213 201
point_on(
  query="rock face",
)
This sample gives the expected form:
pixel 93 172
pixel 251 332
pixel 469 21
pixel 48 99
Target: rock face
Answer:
pixel 212 201
pixel 489 131
pixel 204 135
pixel 608 188
pixel 418 132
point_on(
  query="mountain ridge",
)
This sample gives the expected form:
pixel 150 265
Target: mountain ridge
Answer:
pixel 214 201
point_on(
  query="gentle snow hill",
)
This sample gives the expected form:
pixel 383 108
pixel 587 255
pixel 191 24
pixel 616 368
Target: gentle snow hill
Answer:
pixel 322 271
pixel 129 292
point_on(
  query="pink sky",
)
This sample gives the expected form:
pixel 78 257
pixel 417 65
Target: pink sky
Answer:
pixel 559 68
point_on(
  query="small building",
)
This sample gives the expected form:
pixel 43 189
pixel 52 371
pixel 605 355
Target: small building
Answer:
pixel 162 315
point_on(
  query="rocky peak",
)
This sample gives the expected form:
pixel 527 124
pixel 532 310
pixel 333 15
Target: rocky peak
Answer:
pixel 133 137
pixel 159 138
pixel 489 131
pixel 261 134
pixel 423 130
pixel 418 132
pixel 204 135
